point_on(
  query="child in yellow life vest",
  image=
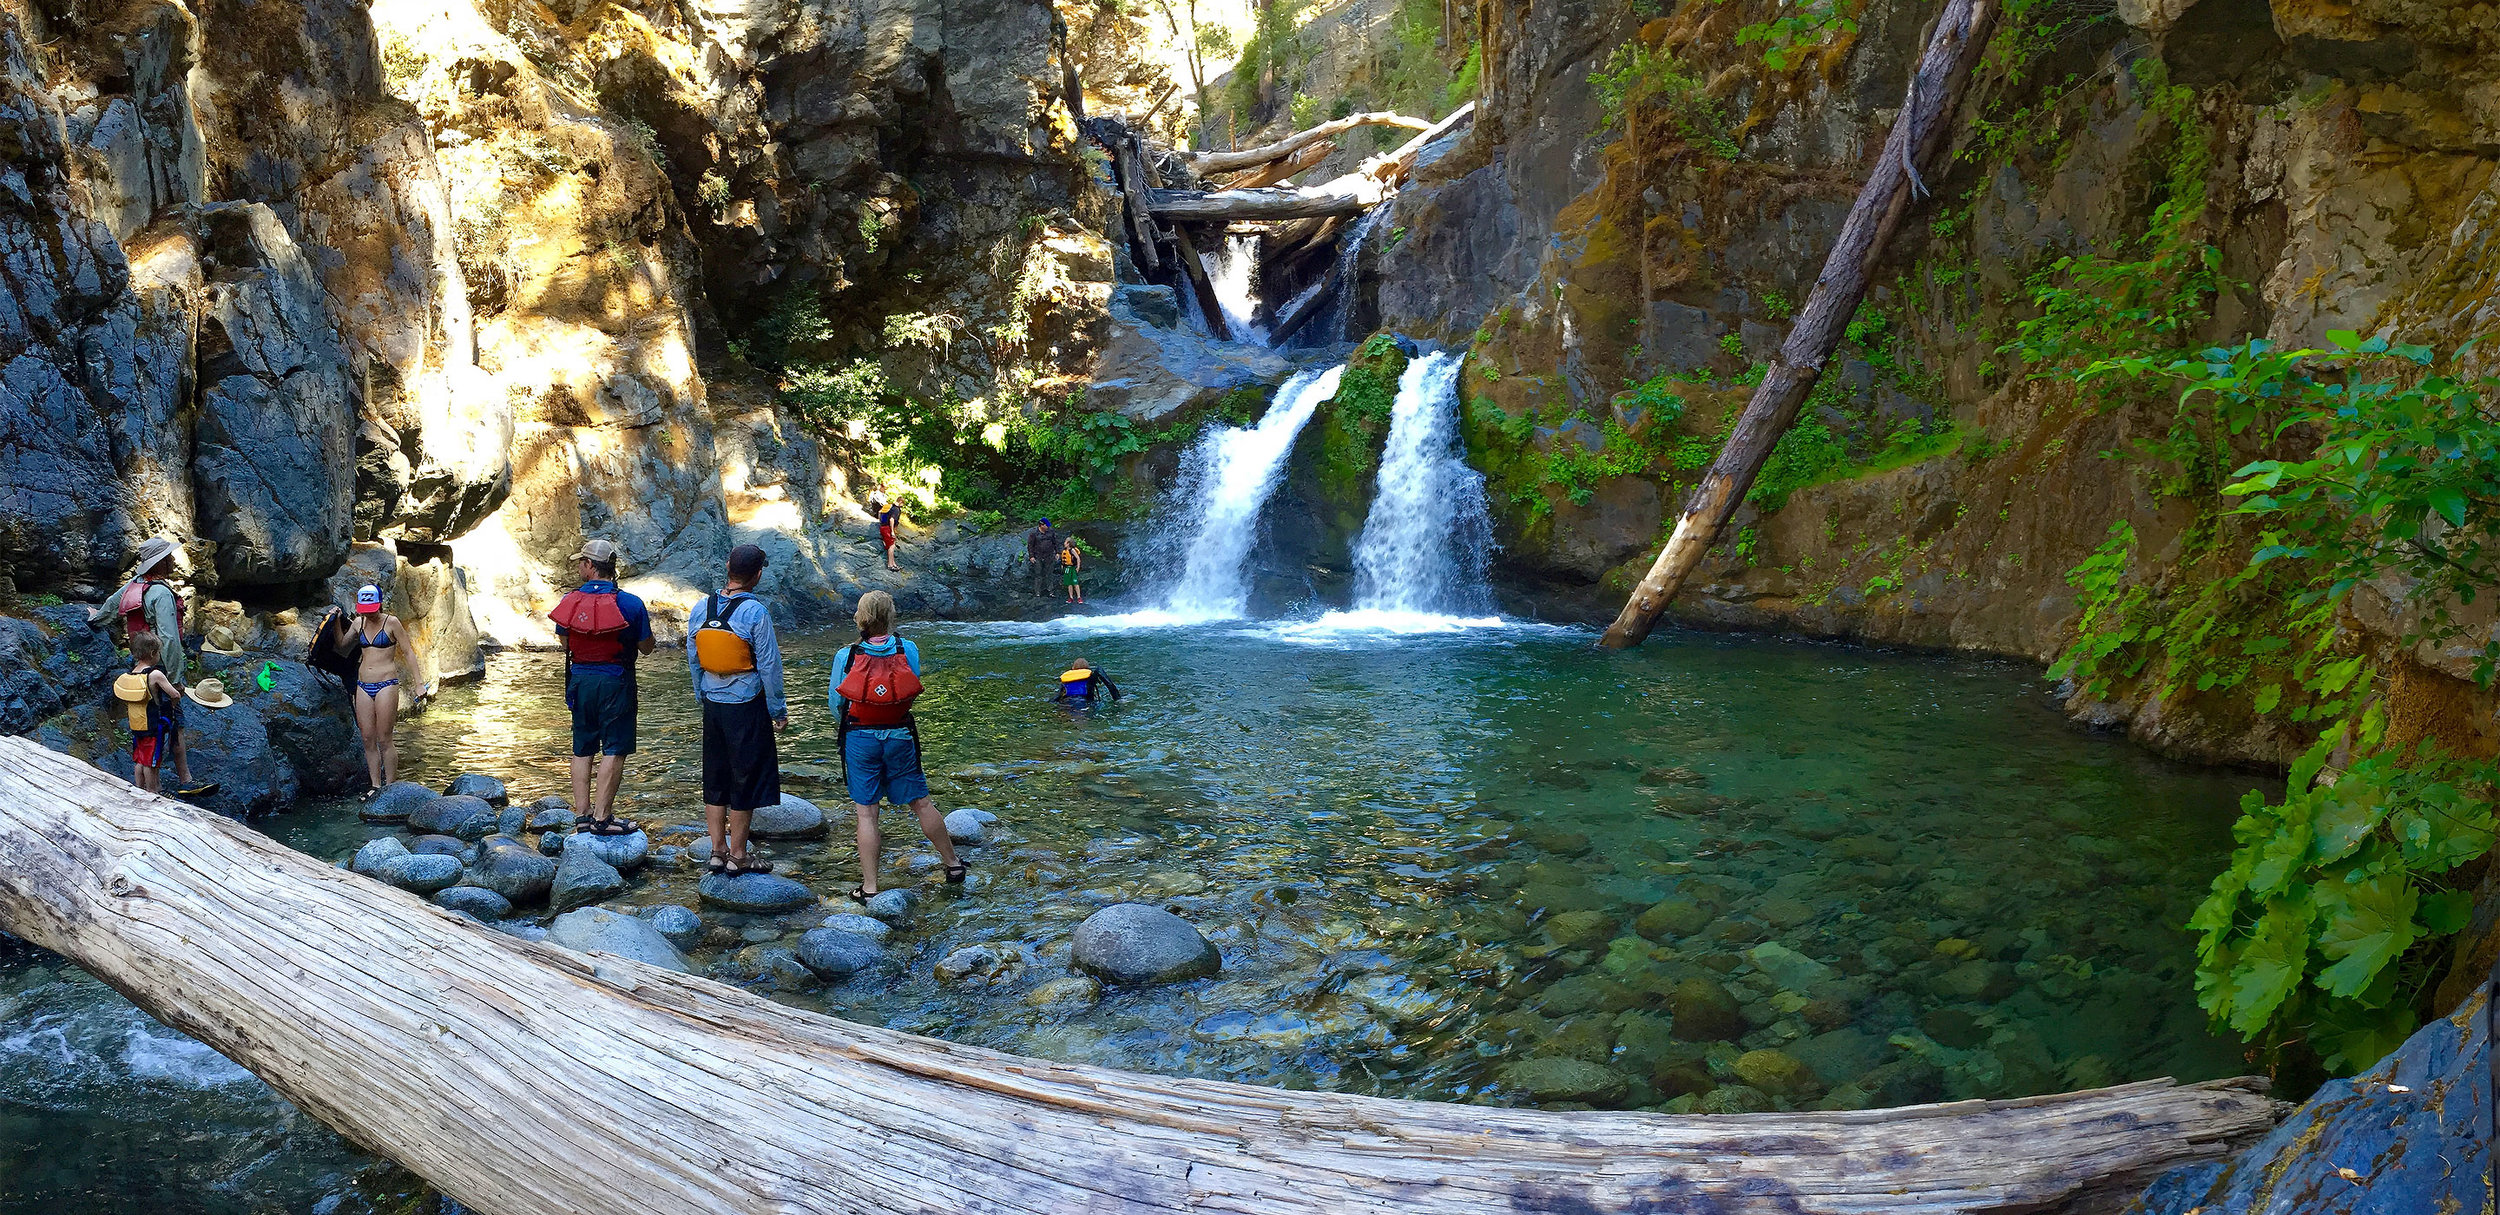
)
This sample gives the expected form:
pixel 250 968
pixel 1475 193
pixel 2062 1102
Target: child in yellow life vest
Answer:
pixel 1083 682
pixel 148 694
pixel 1071 563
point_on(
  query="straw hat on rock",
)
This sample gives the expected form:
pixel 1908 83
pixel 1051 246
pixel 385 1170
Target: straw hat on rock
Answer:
pixel 211 694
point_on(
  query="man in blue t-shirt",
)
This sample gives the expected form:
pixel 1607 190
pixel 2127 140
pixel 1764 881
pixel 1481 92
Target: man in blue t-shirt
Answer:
pixel 603 629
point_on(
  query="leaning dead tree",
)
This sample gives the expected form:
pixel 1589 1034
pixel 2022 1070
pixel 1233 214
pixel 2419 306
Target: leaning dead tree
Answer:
pixel 519 1078
pixel 1921 131
pixel 1204 163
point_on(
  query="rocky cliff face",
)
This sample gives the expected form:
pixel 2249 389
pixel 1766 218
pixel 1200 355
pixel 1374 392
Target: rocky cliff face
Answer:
pixel 2342 159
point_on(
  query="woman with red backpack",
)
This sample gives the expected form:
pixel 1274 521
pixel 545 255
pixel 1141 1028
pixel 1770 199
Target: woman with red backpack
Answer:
pixel 874 683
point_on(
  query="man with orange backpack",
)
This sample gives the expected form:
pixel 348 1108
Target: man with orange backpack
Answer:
pixel 874 684
pixel 603 630
pixel 736 663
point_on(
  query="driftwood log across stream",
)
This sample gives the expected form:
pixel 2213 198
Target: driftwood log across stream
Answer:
pixel 522 1079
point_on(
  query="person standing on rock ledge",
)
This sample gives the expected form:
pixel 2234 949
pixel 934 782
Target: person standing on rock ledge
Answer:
pixel 1041 558
pixel 603 630
pixel 736 663
pixel 385 654
pixel 875 681
pixel 148 603
pixel 889 515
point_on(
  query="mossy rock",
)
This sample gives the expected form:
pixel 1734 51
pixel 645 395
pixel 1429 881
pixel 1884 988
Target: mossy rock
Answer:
pixel 1548 1079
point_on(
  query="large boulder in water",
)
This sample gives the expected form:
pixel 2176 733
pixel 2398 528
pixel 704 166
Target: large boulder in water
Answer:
pixel 467 818
pixel 2408 1135
pixel 597 929
pixel 755 893
pixel 377 853
pixel 475 900
pixel 1137 943
pixel 582 878
pixel 484 788
pixel 395 802
pixel 512 869
pixel 791 819
pixel 834 954
pixel 230 747
pixel 420 873
pixel 627 852
pixel 969 826
pixel 309 722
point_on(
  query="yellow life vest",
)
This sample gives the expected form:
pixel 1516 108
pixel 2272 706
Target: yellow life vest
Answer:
pixel 131 688
pixel 718 649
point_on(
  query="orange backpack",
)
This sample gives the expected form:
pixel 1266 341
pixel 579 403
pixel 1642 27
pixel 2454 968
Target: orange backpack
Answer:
pixel 877 689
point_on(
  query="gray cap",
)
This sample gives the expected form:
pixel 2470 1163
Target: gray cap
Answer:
pixel 602 551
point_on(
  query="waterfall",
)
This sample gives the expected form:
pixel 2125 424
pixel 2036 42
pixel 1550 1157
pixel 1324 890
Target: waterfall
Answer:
pixel 1330 326
pixel 1424 546
pixel 1233 271
pixel 1224 484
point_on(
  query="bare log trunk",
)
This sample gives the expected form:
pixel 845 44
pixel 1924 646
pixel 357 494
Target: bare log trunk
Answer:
pixel 1227 162
pixel 1275 171
pixel 1195 271
pixel 1961 34
pixel 1350 194
pixel 1127 165
pixel 520 1078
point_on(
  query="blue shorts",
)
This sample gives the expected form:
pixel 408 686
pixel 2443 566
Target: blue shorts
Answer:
pixel 604 707
pixel 879 766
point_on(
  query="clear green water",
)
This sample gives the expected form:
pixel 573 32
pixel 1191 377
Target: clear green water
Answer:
pixel 1909 874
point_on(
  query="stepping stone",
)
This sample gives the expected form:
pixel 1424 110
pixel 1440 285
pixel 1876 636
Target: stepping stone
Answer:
pixel 484 788
pixel 390 807
pixel 755 893
pixel 794 818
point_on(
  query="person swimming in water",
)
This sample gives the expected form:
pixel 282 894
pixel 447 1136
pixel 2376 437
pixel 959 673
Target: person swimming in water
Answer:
pixel 1083 683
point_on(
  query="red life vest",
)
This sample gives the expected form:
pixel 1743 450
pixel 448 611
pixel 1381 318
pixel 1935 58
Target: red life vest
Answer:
pixel 594 626
pixel 877 689
pixel 134 609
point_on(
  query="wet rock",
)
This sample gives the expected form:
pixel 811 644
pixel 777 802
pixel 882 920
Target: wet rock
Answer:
pixel 438 845
pixel 683 928
pixel 1778 1073
pixel 1172 883
pixel 1586 993
pixel 484 788
pixel 551 843
pixel 1137 943
pixel 1582 929
pixel 969 826
pixel 370 858
pixel 469 818
pixel 2409 1134
pixel 1547 1079
pixel 792 818
pixel 1788 968
pixel 542 817
pixel 1953 1027
pixel 1904 1082
pixel 1556 899
pixel 1735 1099
pixel 597 929
pixel 891 905
pixel 1783 912
pixel 755 893
pixel 1395 997
pixel 1672 918
pixel 475 900
pixel 1559 842
pixel 512 821
pixel 835 954
pixel 420 874
pixel 1066 989
pixel 1847 1051
pixel 777 965
pixel 582 878
pixel 1976 981
pixel 627 852
pixel 1705 1011
pixel 851 922
pixel 307 724
pixel 987 964
pixel 509 868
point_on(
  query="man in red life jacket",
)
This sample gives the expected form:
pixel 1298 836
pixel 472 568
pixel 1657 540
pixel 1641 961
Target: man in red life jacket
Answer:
pixel 148 603
pixel 604 630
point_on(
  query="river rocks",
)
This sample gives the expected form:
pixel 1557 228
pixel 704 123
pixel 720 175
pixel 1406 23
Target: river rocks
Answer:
pixel 867 926
pixel 755 893
pixel 969 826
pixel 1548 1079
pixel 475 900
pixel 987 965
pixel 420 873
pixel 509 868
pixel 1735 1099
pixel 792 818
pixel 1793 971
pixel 627 852
pixel 1956 1028
pixel 439 845
pixel 1066 989
pixel 306 723
pixel 1672 918
pixel 551 843
pixel 683 928
pixel 1136 943
pixel 891 905
pixel 1777 1073
pixel 1582 929
pixel 1705 1011
pixel 484 788
pixel 1586 993
pixel 777 966
pixel 393 803
pixel 543 817
pixel 370 858
pixel 582 878
pixel 835 954
pixel 469 818
pixel 597 929
pixel 1976 981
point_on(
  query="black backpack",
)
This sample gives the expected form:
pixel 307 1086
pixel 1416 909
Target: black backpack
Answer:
pixel 327 653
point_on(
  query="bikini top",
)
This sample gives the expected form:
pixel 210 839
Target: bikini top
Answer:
pixel 373 643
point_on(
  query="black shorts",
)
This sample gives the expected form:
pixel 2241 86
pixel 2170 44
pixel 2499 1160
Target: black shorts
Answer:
pixel 603 713
pixel 741 758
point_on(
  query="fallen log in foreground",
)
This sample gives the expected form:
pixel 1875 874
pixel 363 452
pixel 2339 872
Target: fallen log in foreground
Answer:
pixel 522 1079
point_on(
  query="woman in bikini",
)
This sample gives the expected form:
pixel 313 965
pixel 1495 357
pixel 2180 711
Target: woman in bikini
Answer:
pixel 379 643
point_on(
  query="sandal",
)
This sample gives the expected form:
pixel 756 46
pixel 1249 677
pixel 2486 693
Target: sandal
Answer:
pixel 750 864
pixel 718 865
pixel 614 824
pixel 957 872
pixel 583 821
pixel 861 893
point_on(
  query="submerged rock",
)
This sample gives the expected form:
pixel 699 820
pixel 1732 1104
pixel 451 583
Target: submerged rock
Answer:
pixel 599 929
pixel 510 868
pixel 1136 943
pixel 1778 1073
pixel 1546 1078
pixel 776 964
pixel 484 788
pixel 475 900
pixel 469 818
pixel 1735 1099
pixel 755 893
pixel 987 964
pixel 1705 1011
pixel 392 805
pixel 683 928
pixel 1672 918
pixel 835 954
pixel 1582 929
pixel 1066 989
pixel 582 878
pixel 792 818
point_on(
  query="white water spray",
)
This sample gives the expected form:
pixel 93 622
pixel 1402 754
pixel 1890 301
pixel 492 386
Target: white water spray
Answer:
pixel 1224 484
pixel 1423 548
pixel 1233 273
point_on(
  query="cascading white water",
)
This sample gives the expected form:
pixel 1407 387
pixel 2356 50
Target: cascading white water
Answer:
pixel 1233 273
pixel 1330 325
pixel 1423 548
pixel 1224 484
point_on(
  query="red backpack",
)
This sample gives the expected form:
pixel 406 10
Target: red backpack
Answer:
pixel 594 626
pixel 134 610
pixel 877 689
